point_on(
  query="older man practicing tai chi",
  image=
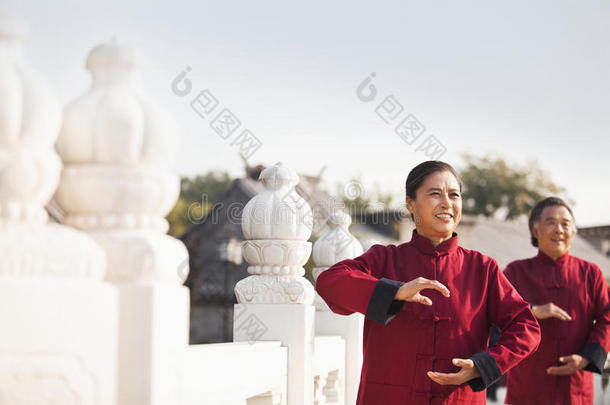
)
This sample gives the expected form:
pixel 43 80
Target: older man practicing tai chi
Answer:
pixel 570 299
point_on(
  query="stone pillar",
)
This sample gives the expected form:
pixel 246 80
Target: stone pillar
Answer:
pixel 275 301
pixel 335 245
pixel 58 317
pixel 117 186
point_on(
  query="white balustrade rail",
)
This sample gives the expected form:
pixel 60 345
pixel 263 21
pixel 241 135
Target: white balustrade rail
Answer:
pixel 329 370
pixel 234 373
pixel 97 309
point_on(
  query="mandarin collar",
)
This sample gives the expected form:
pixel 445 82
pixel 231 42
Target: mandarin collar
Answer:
pixel 425 246
pixel 547 259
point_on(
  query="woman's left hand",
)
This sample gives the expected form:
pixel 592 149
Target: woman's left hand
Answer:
pixel 467 373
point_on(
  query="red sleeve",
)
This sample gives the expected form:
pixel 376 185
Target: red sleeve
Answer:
pixel 519 329
pixel 356 285
pixel 509 273
pixel 520 332
pixel 598 342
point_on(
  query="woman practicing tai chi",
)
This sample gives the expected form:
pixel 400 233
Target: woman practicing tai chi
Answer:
pixel 429 304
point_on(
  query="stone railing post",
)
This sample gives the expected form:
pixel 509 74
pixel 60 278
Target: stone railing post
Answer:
pixel 59 319
pixel 275 301
pixel 117 185
pixel 335 245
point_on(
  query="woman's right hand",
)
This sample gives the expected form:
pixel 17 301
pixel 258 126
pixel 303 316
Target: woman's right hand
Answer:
pixel 410 291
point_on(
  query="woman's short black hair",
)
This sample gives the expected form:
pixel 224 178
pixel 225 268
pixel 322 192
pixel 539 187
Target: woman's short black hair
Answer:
pixel 419 173
pixel 537 212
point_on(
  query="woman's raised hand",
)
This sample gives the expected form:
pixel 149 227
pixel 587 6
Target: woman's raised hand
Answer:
pixel 410 291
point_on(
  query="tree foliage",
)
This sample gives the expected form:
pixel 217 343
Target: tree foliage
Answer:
pixel 197 195
pixel 356 198
pixel 495 188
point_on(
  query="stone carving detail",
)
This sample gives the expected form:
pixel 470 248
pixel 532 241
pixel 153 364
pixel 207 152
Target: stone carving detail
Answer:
pixel 335 245
pixel 46 378
pixel 30 119
pixel 319 382
pixel 60 252
pixel 327 388
pixel 332 389
pixel 117 184
pixel 272 257
pixel 276 223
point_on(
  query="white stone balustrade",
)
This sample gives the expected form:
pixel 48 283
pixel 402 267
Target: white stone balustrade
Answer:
pixel 329 370
pixel 276 224
pixel 117 147
pixel 235 373
pixel 117 186
pixel 335 245
pixel 106 293
pixel 332 247
pixel 276 297
pixel 59 320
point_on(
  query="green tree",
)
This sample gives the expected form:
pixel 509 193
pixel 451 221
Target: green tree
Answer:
pixel 197 196
pixel 357 198
pixel 495 188
pixel 211 184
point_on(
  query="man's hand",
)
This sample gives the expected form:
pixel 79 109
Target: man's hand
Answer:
pixel 574 362
pixel 550 310
pixel 467 373
pixel 410 291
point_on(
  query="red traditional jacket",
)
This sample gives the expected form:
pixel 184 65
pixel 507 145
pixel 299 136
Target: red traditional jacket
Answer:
pixel 405 340
pixel 579 288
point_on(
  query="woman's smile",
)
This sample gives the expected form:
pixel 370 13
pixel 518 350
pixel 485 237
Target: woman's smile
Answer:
pixel 445 217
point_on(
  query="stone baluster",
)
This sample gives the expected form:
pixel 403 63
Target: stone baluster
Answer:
pixel 319 382
pixel 117 185
pixel 335 245
pixel 117 147
pixel 331 389
pixel 54 305
pixel 276 224
pixel 275 301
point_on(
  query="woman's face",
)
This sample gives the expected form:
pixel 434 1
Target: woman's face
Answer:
pixel 437 207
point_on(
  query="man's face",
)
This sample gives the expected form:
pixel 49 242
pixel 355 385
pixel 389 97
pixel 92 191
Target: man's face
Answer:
pixel 554 231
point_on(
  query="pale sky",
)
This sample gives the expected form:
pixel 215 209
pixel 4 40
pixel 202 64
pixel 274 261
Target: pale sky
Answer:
pixel 522 80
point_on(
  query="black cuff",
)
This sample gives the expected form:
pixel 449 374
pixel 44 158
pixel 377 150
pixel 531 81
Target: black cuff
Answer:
pixel 488 368
pixel 382 306
pixel 396 307
pixel 596 356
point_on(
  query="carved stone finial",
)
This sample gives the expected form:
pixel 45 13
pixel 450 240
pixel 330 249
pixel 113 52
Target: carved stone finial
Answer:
pixel 335 245
pixel 30 119
pixel 117 146
pixel 277 224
